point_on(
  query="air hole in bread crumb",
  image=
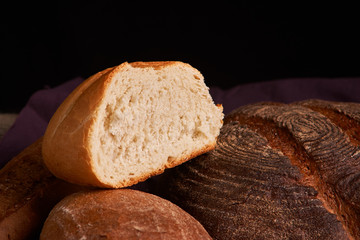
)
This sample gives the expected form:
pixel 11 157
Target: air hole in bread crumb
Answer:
pixel 170 159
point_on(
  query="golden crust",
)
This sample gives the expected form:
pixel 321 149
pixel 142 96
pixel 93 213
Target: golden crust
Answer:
pixel 156 65
pixel 66 141
pixel 74 117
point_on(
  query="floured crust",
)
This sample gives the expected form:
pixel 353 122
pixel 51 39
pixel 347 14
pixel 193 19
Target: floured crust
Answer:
pixel 130 214
pixel 66 147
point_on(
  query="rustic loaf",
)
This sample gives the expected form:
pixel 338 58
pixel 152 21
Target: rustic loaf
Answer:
pixel 28 191
pixel 279 171
pixel 120 214
pixel 130 122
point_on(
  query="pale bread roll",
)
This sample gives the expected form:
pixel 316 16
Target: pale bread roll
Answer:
pixel 120 214
pixel 128 123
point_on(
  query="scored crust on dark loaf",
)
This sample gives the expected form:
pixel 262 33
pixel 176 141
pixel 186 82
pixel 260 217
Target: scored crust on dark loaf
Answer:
pixel 279 171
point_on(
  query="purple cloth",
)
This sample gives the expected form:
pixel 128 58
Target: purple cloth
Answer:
pixel 34 117
pixel 289 90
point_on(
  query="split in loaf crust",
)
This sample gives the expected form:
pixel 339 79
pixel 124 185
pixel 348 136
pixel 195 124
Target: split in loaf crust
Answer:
pixel 128 123
pixel 279 171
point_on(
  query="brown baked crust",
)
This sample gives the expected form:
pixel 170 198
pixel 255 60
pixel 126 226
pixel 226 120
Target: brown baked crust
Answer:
pixel 120 214
pixel 289 170
pixel 75 117
pixel 325 151
pixel 28 191
pixel 156 65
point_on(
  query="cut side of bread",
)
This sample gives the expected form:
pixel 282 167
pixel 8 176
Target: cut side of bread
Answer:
pixel 130 122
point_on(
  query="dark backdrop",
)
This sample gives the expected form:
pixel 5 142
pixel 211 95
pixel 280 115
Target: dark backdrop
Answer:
pixel 230 42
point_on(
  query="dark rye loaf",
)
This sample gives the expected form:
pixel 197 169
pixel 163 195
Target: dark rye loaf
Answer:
pixel 279 171
pixel 28 191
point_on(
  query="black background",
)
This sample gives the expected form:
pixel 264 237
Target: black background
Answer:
pixel 230 42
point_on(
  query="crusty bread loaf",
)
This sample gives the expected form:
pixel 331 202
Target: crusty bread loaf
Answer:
pixel 130 122
pixel 120 214
pixel 279 171
pixel 28 191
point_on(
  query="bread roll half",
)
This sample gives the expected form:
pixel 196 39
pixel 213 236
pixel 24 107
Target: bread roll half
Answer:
pixel 130 122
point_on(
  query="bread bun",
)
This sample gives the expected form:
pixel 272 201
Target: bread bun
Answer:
pixel 120 214
pixel 130 122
